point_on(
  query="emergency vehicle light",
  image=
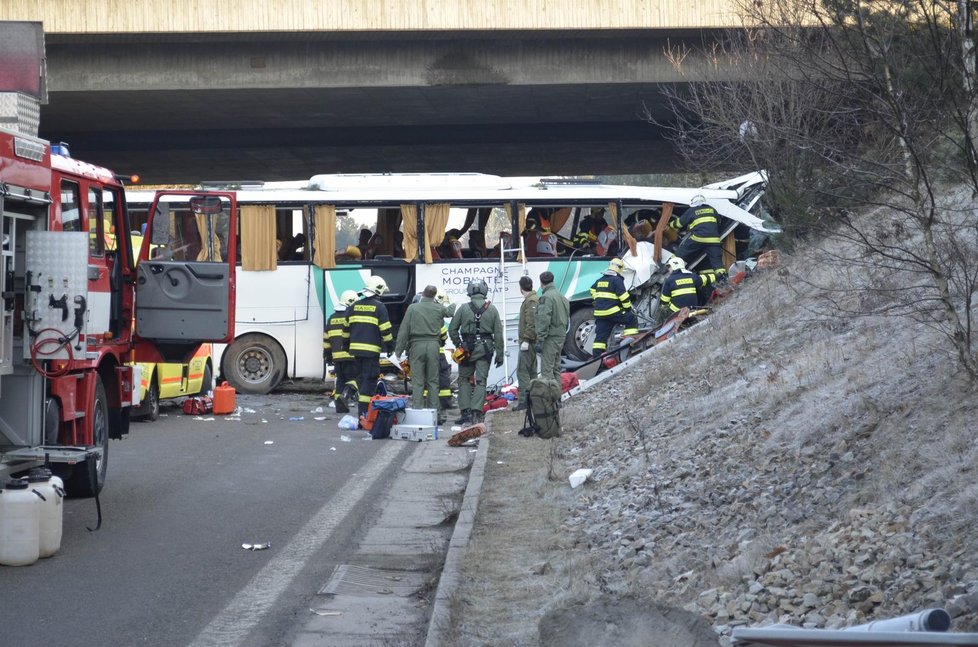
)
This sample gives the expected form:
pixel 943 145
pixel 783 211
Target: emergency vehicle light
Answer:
pixel 28 149
pixel 61 149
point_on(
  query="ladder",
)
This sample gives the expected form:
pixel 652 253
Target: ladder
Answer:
pixel 509 304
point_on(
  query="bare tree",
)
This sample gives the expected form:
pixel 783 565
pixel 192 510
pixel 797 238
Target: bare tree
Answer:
pixel 855 104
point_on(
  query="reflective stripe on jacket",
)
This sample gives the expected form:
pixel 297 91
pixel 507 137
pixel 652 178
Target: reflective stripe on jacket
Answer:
pixel 369 327
pixel 336 337
pixel 610 296
pixel 680 289
pixel 701 222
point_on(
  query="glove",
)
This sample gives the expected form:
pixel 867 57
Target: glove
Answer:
pixel 525 346
pixel 538 348
pixel 499 362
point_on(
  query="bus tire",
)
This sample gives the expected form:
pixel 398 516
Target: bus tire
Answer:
pixel 580 334
pixel 254 364
pixel 88 477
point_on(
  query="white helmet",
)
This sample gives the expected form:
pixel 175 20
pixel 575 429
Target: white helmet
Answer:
pixel 348 298
pixel 676 263
pixel 698 199
pixel 442 297
pixel 375 285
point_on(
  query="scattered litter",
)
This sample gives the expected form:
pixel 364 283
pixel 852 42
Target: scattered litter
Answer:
pixel 319 418
pixel 345 438
pixel 385 591
pixel 269 442
pixel 255 546
pixel 348 422
pixel 247 410
pixel 201 418
pixel 500 463
pixel 317 410
pixel 323 612
pixel 471 442
pixel 297 418
pixel 264 422
pixel 456 428
pixel 472 451
pixel 332 449
pixel 579 476
pixel 332 405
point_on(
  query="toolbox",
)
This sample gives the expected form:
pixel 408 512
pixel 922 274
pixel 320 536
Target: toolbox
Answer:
pixel 416 424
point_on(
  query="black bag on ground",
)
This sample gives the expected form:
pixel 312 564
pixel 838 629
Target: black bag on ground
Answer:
pixel 382 424
pixel 543 408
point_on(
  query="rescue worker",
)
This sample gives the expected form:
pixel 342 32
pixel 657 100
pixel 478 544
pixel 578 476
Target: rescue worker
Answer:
pixel 682 289
pixel 477 331
pixel 370 333
pixel 526 367
pixel 701 222
pixel 612 305
pixel 419 336
pixel 336 338
pixel 553 316
pixel 444 368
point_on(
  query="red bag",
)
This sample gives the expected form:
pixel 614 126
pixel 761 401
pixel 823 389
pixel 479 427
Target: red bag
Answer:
pixel 497 402
pixel 568 381
pixel 198 405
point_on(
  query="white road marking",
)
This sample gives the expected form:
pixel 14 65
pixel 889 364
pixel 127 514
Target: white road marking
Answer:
pixel 233 624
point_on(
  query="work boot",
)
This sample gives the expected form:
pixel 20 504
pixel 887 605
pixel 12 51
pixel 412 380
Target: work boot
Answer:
pixel 477 417
pixel 465 418
pixel 341 405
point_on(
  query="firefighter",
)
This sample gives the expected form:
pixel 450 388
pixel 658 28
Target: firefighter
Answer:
pixel 336 338
pixel 419 336
pixel 682 289
pixel 701 222
pixel 612 305
pixel 477 332
pixel 444 368
pixel 526 368
pixel 553 315
pixel 370 333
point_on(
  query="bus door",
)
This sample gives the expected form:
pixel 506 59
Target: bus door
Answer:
pixel 185 276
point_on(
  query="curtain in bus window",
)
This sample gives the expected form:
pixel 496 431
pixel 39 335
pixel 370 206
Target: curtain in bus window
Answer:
pixel 210 246
pixel 258 237
pixel 387 224
pixel 409 217
pixel 435 222
pixel 324 220
pixel 559 218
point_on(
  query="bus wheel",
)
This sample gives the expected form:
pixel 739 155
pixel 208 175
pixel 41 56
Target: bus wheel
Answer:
pixel 254 364
pixel 581 334
pixel 88 477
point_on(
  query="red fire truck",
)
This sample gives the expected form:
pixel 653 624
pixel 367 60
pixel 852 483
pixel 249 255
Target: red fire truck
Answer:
pixel 78 309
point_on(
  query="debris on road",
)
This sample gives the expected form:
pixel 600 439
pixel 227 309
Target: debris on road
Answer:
pixel 256 546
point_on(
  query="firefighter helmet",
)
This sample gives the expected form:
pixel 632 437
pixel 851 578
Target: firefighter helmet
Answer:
pixel 348 298
pixel 698 199
pixel 617 266
pixel 477 287
pixel 676 263
pixel 376 285
pixel 460 355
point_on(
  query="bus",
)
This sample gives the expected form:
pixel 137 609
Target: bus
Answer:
pixel 443 230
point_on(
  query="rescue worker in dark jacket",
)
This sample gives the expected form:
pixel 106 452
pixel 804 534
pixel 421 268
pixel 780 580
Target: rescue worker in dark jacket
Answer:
pixel 370 333
pixel 336 338
pixel 477 330
pixel 701 222
pixel 526 367
pixel 682 289
pixel 553 316
pixel 612 305
pixel 420 336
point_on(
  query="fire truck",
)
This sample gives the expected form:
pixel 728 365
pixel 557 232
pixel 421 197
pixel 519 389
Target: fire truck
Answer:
pixel 81 307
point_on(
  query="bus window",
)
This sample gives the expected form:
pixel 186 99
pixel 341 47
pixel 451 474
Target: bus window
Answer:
pixel 292 235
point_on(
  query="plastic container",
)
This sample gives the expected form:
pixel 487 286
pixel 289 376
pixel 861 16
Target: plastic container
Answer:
pixel 51 516
pixel 19 524
pixel 224 399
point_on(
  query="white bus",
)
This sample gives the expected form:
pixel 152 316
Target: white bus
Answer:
pixel 443 230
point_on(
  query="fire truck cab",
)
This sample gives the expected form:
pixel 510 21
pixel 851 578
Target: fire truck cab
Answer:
pixel 77 312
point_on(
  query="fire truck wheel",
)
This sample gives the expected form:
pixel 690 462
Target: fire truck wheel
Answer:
pixel 88 478
pixel 208 382
pixel 581 334
pixel 254 364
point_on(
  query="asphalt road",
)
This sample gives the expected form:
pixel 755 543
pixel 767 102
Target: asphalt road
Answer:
pixel 182 496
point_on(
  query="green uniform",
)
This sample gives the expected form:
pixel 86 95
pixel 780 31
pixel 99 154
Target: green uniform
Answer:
pixel 553 317
pixel 526 367
pixel 420 336
pixel 483 342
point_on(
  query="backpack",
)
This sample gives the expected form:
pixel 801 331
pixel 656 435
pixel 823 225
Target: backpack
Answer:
pixel 469 342
pixel 542 409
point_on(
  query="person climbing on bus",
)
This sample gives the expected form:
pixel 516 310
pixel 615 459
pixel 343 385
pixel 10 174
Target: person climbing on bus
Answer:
pixel 336 339
pixel 701 222
pixel 369 327
pixel 682 289
pixel 612 306
pixel 477 332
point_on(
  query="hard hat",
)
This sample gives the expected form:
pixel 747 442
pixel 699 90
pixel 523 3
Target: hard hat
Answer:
pixel 442 297
pixel 459 355
pixel 617 266
pixel 348 298
pixel 676 263
pixel 477 287
pixel 697 200
pixel 375 284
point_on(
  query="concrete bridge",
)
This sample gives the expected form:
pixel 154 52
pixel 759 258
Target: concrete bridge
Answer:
pixel 255 89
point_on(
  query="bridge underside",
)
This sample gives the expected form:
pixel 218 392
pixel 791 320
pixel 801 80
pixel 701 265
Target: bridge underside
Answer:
pixel 191 111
